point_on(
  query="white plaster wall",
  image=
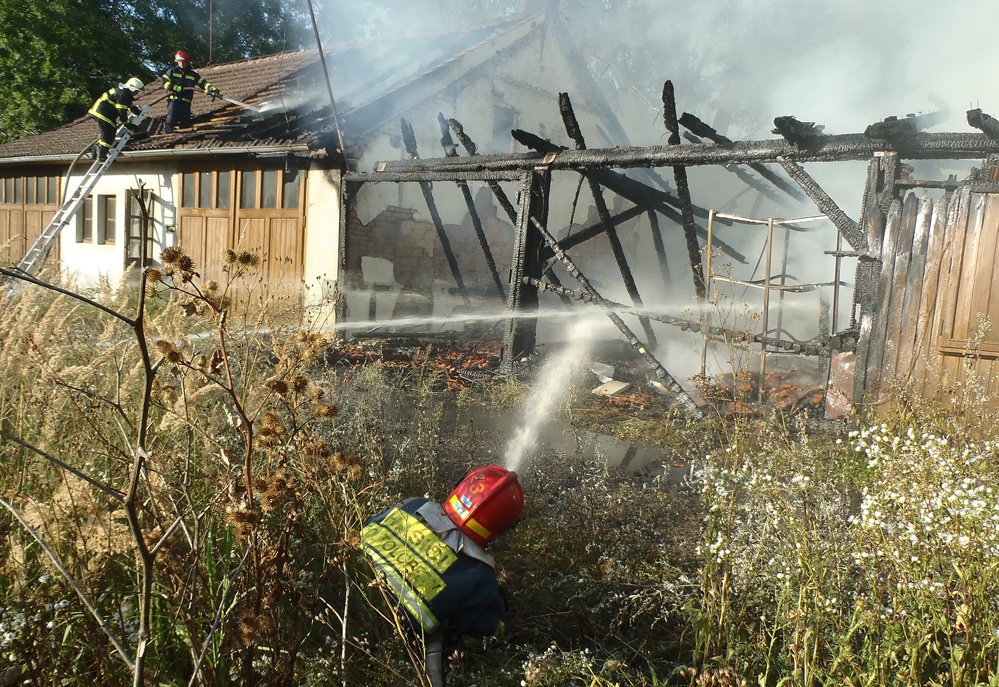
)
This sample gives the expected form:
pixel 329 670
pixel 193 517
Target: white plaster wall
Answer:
pixel 88 262
pixel 322 238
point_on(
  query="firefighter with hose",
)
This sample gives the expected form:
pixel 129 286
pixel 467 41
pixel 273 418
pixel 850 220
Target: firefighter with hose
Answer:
pixel 113 106
pixel 432 561
pixel 180 81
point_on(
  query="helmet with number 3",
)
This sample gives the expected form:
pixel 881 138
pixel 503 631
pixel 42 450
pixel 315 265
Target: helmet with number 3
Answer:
pixel 486 503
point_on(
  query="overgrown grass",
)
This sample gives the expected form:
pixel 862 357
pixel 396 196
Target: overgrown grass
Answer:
pixel 796 556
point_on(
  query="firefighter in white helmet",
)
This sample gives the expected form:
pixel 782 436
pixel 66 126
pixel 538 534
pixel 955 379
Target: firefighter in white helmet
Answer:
pixel 180 81
pixel 113 106
pixel 432 560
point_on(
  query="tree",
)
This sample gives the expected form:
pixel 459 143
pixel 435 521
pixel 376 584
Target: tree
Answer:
pixel 57 57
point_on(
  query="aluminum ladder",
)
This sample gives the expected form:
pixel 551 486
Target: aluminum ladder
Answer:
pixel 35 256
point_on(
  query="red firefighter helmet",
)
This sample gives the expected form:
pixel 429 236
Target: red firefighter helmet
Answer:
pixel 486 502
pixel 181 56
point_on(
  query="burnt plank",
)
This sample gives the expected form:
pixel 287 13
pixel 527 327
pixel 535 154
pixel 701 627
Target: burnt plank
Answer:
pixel 903 255
pixel 914 292
pixel 826 205
pixel 928 322
pixel 879 309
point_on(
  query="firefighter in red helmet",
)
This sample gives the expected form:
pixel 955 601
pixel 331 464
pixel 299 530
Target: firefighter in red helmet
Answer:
pixel 180 81
pixel 432 559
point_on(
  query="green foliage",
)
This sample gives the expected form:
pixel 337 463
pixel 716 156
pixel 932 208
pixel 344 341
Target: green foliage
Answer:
pixel 57 57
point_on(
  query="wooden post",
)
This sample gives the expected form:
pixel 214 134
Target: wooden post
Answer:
pixel 521 333
pixel 683 190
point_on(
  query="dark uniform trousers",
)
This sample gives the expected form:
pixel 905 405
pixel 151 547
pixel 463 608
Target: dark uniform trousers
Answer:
pixel 181 82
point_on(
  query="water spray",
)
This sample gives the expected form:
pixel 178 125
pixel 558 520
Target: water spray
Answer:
pixel 550 387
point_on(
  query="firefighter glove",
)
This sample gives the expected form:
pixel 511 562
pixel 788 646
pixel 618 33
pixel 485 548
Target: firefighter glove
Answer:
pixel 214 93
pixel 131 127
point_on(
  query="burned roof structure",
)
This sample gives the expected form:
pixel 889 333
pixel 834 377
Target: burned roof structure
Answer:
pixel 894 311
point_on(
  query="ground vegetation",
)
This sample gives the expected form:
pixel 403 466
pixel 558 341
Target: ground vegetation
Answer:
pixel 186 467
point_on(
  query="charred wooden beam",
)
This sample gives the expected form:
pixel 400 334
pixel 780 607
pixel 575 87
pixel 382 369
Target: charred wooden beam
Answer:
pixel 948 185
pixel 683 190
pixel 798 133
pixel 681 397
pixel 894 127
pixel 988 124
pixel 472 150
pixel 521 333
pixel 576 134
pixel 589 232
pixel 488 176
pixel 450 150
pixel 629 189
pixel 701 129
pixel 619 183
pixel 409 139
pixel 943 146
pixel 826 205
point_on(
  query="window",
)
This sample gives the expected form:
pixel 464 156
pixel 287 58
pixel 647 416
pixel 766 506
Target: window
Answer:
pixel 50 191
pixel 17 191
pixel 29 193
pixel 289 190
pixel 248 190
pixel 268 197
pixel 137 228
pixel 3 190
pixel 222 190
pixel 85 222
pixel 204 189
pixel 187 190
pixel 106 217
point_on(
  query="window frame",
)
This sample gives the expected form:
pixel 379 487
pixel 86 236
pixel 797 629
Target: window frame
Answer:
pixel 107 220
pixel 85 221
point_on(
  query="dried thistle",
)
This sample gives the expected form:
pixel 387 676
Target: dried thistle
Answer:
pixel 251 627
pixel 168 351
pixel 171 255
pixel 299 384
pixel 278 386
pixel 325 410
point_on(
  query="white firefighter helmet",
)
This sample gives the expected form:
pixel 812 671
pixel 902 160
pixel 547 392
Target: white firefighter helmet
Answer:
pixel 135 84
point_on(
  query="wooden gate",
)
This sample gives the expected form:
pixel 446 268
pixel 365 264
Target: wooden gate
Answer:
pixel 933 324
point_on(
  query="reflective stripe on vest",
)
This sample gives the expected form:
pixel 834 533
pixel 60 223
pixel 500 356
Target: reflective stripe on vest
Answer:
pixel 412 558
pixel 96 107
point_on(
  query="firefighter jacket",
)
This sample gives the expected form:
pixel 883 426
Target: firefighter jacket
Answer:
pixel 114 104
pixel 442 579
pixel 181 82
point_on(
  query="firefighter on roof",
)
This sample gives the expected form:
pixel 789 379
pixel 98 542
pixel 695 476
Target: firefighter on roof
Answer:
pixel 432 560
pixel 113 106
pixel 180 81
